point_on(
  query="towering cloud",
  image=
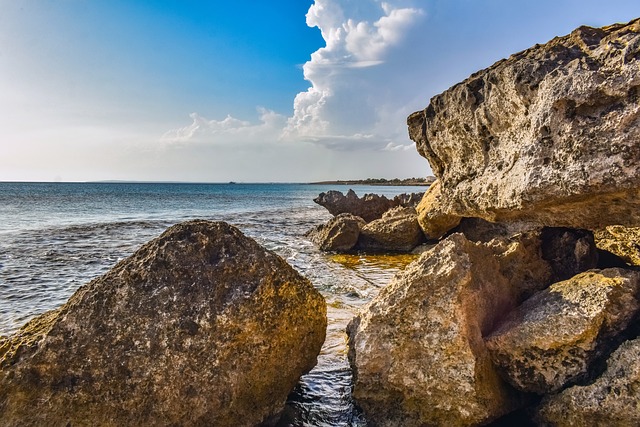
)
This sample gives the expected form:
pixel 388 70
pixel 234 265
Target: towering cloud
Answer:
pixel 353 102
pixel 351 79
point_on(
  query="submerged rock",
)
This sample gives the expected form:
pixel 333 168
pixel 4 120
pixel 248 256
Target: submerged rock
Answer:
pixel 200 326
pixel 398 230
pixel 612 400
pixel 340 234
pixel 554 336
pixel 548 136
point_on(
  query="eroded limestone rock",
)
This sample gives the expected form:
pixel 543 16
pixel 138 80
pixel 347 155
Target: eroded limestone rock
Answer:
pixel 200 326
pixel 548 136
pixel 368 207
pixel 553 337
pixel 340 234
pixel 417 350
pixel 612 400
pixel 623 242
pixel 432 215
pixel 397 230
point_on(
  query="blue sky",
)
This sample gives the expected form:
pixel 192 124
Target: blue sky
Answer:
pixel 213 91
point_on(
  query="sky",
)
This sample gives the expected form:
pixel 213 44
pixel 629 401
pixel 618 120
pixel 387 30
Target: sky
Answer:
pixel 254 91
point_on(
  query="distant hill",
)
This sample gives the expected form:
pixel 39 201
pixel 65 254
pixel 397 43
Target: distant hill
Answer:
pixel 381 181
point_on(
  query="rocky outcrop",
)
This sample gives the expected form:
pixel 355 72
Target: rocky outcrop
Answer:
pixel 553 337
pixel 340 234
pixel 432 216
pixel 417 350
pixel 612 400
pixel 370 207
pixel 398 230
pixel 623 242
pixel 548 136
pixel 200 326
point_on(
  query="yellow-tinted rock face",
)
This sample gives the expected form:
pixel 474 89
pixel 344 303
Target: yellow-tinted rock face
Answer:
pixel 621 241
pixel 201 326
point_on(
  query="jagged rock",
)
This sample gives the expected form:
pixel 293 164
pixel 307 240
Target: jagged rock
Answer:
pixel 612 400
pixel 397 230
pixel 370 207
pixel 340 234
pixel 433 219
pixel 549 135
pixel 554 336
pixel 623 242
pixel 417 351
pixel 200 326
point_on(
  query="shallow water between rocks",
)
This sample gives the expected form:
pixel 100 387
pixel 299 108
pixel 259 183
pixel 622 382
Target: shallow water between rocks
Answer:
pixel 56 237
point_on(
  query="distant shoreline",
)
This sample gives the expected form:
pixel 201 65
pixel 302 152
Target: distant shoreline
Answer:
pixel 409 182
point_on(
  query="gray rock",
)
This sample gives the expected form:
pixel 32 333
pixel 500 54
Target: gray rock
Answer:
pixel 398 230
pixel 200 326
pixel 553 337
pixel 548 136
pixel 340 234
pixel 370 207
pixel 612 400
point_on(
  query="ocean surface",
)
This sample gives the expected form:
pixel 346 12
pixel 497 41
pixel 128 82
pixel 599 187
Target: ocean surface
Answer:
pixel 54 237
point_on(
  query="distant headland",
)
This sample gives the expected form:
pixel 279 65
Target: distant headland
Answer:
pixel 381 181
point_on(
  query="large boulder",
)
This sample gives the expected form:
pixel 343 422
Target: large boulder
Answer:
pixel 612 400
pixel 417 350
pixel 369 207
pixel 548 136
pixel 398 230
pixel 623 242
pixel 553 337
pixel 340 234
pixel 200 326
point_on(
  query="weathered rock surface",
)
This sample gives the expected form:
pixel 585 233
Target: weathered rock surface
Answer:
pixel 200 326
pixel 612 400
pixel 549 135
pixel 340 234
pixel 370 207
pixel 554 336
pixel 432 217
pixel 417 350
pixel 623 242
pixel 397 230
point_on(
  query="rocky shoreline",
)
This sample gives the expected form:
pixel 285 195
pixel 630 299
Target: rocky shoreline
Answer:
pixel 526 299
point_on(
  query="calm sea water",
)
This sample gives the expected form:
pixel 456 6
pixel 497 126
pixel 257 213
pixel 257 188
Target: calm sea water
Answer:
pixel 56 237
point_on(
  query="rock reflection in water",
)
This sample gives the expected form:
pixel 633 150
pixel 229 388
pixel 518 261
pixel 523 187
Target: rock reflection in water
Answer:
pixel 323 396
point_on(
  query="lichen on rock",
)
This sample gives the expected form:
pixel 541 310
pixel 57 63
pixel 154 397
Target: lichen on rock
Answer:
pixel 553 337
pixel 200 326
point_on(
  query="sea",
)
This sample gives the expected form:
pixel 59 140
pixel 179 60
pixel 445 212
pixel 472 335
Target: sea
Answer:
pixel 55 237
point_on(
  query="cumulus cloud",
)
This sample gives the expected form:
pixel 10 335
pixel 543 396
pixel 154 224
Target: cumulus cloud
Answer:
pixel 354 101
pixel 228 130
pixel 350 77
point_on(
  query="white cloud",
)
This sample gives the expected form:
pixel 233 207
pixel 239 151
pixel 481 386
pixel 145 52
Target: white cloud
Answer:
pixel 229 130
pixel 353 102
pixel 351 75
